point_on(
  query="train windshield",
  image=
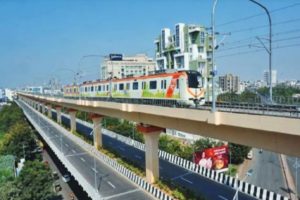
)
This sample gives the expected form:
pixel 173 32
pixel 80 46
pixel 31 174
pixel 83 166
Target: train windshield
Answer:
pixel 194 79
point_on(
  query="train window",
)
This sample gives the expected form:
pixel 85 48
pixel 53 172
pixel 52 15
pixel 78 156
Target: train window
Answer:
pixel 152 85
pixel 99 88
pixel 85 89
pixel 121 86
pixel 127 86
pixel 163 84
pixel 177 83
pixel 193 79
pixel 106 87
pixel 135 86
pixel 92 88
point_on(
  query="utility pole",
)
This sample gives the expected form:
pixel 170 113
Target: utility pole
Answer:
pixel 213 109
pixel 270 47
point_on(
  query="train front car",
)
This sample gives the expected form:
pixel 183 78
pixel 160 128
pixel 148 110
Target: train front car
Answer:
pixel 192 90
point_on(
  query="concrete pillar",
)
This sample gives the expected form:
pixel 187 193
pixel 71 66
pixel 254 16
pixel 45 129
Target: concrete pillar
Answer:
pixel 49 110
pixel 97 119
pixel 43 108
pixel 36 105
pixel 58 114
pixel 151 135
pixel 72 114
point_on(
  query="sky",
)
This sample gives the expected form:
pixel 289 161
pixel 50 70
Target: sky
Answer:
pixel 45 39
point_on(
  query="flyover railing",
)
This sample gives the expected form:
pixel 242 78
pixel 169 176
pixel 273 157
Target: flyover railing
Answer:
pixel 290 107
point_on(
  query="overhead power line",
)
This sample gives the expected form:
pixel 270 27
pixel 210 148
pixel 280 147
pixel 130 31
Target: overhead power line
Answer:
pixel 263 26
pixel 243 40
pixel 259 14
pixel 258 50
pixel 247 45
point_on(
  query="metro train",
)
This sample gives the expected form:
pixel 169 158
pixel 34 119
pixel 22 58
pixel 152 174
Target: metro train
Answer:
pixel 182 86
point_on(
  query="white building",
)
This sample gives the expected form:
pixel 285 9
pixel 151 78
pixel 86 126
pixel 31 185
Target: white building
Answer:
pixel 9 94
pixel 116 65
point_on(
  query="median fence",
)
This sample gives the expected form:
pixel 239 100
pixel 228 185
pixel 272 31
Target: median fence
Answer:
pixel 154 191
pixel 242 186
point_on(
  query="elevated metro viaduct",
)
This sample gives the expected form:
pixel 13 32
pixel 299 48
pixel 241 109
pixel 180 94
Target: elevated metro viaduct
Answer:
pixel 277 134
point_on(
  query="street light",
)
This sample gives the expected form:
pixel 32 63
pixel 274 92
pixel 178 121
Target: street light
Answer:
pixel 269 50
pixel 236 196
pixel 213 109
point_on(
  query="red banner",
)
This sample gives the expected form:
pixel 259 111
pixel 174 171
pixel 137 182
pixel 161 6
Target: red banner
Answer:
pixel 215 158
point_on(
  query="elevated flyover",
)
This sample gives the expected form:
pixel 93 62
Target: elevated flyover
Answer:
pixel 276 133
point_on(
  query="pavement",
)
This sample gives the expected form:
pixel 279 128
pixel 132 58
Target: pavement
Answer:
pixel 107 181
pixel 293 164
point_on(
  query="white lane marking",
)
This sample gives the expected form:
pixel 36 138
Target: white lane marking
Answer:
pixel 73 151
pixel 66 145
pixel 76 154
pixel 180 176
pixel 81 158
pixel 94 169
pixel 112 185
pixel 190 182
pixel 221 197
pixel 138 157
pixel 121 194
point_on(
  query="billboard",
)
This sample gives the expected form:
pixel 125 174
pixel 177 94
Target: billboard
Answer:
pixel 114 56
pixel 215 158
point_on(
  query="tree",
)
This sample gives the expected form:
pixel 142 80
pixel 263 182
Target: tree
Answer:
pixel 36 181
pixel 10 191
pixel 10 115
pixel 238 152
pixel 19 139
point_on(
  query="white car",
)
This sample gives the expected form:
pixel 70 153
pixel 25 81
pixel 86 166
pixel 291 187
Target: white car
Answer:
pixel 250 155
pixel 66 178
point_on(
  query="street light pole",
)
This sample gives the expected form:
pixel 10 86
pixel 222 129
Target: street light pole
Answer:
pixel 213 109
pixel 270 47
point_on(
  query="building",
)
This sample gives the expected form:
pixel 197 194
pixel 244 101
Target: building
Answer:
pixel 229 83
pixel 116 65
pixel 267 79
pixel 9 94
pixel 189 48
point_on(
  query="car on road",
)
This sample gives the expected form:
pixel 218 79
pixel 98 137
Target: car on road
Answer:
pixel 55 175
pixel 57 187
pixel 66 178
pixel 250 155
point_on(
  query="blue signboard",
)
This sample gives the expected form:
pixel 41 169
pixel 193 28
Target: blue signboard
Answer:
pixel 115 56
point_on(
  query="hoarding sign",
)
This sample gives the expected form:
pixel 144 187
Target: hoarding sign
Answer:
pixel 215 158
pixel 117 57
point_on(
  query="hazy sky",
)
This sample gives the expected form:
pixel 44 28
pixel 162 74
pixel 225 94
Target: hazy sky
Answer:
pixel 41 39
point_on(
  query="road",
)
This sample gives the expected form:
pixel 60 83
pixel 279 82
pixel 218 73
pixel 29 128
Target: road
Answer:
pixel 267 172
pixel 110 184
pixel 178 175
